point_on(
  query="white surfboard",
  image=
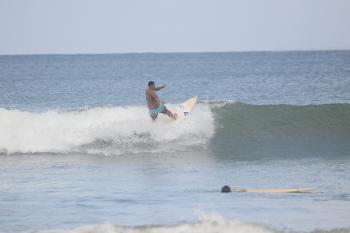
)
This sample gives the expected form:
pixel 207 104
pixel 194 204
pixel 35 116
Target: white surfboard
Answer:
pixel 182 110
pixel 185 108
pixel 293 190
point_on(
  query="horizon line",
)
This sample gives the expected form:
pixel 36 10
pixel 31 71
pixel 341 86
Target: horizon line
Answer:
pixel 179 52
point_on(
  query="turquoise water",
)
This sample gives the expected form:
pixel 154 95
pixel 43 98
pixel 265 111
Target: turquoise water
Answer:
pixel 79 152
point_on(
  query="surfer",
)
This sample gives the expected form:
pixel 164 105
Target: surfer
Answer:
pixel 155 105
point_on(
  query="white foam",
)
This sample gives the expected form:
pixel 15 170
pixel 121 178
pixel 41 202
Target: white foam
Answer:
pixel 209 225
pixel 108 130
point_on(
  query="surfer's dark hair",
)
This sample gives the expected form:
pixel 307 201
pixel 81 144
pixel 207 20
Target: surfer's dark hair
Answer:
pixel 150 83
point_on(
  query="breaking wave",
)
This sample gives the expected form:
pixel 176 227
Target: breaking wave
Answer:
pixel 210 224
pixel 233 129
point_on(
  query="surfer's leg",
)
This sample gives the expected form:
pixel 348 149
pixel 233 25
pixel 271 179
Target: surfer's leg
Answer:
pixel 154 116
pixel 170 114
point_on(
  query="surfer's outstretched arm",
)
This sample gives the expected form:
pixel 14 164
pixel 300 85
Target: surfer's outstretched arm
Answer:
pixel 161 87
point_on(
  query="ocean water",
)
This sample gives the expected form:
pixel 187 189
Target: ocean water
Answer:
pixel 79 153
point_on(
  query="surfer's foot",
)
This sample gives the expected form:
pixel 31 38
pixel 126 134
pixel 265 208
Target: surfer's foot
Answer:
pixel 175 116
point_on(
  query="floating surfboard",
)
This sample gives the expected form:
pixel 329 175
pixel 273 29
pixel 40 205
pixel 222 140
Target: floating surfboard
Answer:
pixel 227 189
pixel 182 110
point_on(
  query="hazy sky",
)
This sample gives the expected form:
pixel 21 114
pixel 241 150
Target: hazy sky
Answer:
pixel 115 26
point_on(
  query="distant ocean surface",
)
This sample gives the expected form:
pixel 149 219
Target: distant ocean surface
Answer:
pixel 79 152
